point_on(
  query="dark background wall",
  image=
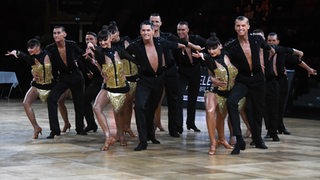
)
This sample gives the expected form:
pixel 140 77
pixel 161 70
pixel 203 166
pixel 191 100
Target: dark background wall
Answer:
pixel 294 20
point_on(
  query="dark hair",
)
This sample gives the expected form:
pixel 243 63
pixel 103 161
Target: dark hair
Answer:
pixel 183 23
pixel 104 27
pixel 213 41
pixel 146 22
pixel 33 42
pixel 60 27
pixel 272 34
pixel 155 14
pixel 103 34
pixel 242 18
pixel 92 34
pixel 112 27
pixel 258 31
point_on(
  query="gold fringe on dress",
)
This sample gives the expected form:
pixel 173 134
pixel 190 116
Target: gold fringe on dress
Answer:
pixel 117 100
pixel 43 94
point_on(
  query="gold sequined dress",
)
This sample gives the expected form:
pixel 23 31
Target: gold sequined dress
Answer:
pixel 226 73
pixel 43 79
pixel 115 83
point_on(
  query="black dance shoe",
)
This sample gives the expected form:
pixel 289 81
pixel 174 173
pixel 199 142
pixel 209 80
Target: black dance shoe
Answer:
pixel 52 134
pixel 261 145
pixel 83 132
pixel 194 127
pixel 174 134
pixel 267 135
pixel 284 131
pixel 154 141
pixel 240 145
pixel 275 137
pixel 141 146
pixel 88 128
pixel 180 130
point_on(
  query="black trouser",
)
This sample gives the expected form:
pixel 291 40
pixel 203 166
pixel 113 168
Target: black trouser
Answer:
pixel 91 91
pixel 147 97
pixel 271 108
pixel 190 77
pixel 75 82
pixel 173 95
pixel 283 97
pixel 253 88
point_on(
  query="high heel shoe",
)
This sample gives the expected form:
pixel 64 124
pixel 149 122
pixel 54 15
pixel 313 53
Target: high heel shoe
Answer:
pixel 248 134
pixel 225 144
pixel 66 127
pixel 194 128
pixel 159 127
pixel 110 141
pixel 212 150
pixel 123 141
pixel 130 132
pixel 232 140
pixel 37 132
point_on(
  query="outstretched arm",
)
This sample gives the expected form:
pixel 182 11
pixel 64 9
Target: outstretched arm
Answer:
pixel 14 53
pixel 308 68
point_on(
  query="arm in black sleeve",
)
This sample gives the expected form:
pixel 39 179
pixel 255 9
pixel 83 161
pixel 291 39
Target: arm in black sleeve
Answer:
pixel 80 59
pixel 209 63
pixel 168 44
pixel 27 58
pixel 125 55
pixel 131 51
pixel 176 39
pixel 264 45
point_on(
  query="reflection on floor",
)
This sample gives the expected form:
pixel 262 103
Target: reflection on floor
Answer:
pixel 71 156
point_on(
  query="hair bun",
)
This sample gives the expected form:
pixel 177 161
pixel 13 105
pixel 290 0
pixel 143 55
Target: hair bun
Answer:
pixel 213 34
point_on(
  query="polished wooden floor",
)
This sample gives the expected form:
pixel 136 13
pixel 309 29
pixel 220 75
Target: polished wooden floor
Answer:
pixel 71 156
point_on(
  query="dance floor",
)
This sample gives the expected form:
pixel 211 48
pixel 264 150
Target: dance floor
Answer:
pixel 71 156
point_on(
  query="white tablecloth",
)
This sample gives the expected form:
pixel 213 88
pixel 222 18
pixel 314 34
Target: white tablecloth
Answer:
pixel 7 77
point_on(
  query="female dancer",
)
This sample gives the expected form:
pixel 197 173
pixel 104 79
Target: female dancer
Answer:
pixel 114 89
pixel 131 72
pixel 41 83
pixel 222 74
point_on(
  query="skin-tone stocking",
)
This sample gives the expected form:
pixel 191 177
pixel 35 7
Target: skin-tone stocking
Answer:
pixel 30 97
pixel 157 115
pixel 101 101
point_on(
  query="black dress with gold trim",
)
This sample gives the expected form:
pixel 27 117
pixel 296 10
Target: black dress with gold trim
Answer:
pixel 115 83
pixel 226 73
pixel 43 71
pixel 130 69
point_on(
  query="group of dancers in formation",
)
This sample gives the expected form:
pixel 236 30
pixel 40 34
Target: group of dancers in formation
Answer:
pixel 247 77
